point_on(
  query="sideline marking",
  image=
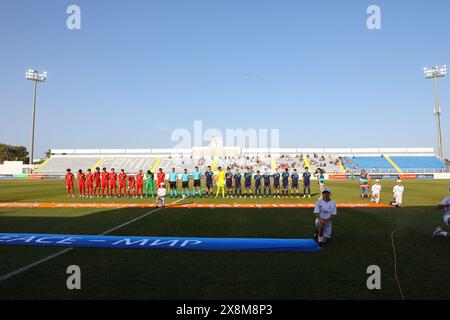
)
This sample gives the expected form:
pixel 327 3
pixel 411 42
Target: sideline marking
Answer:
pixel 176 205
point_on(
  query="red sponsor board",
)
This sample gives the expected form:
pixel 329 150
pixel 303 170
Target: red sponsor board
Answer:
pixel 407 176
pixel 337 176
pixel 35 176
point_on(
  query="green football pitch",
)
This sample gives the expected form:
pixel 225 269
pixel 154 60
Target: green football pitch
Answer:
pixel 361 237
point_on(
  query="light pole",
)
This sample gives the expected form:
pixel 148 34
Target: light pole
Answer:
pixel 435 73
pixel 36 77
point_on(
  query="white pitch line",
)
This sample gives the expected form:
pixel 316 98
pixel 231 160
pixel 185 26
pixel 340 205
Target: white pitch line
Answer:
pixel 395 256
pixel 57 254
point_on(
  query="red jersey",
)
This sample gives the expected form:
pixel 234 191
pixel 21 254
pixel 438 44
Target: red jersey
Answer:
pixel 161 176
pixel 81 178
pixel 139 179
pixel 104 176
pixel 69 178
pixel 96 177
pixel 122 178
pixel 89 178
pixel 130 180
pixel 112 177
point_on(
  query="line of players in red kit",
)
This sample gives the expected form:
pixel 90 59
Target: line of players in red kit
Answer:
pixel 104 184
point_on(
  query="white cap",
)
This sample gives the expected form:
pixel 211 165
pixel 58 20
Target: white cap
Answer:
pixel 399 181
pixel 378 180
pixel 326 190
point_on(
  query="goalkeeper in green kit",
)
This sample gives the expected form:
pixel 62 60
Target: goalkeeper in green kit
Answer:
pixel 149 186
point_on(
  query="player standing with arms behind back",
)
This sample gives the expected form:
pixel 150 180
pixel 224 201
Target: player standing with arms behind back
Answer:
pixel 160 177
pixel 185 184
pixel 248 183
pixel 266 178
pixel 104 176
pixel 113 183
pixel 444 204
pixel 89 184
pixel 294 184
pixel 81 183
pixel 122 183
pixel 140 184
pixel 229 183
pixel 237 184
pixel 285 183
pixel 306 183
pixel 97 182
pixel 209 182
pixel 149 184
pixel 220 182
pixel 197 175
pixel 276 183
pixel 69 183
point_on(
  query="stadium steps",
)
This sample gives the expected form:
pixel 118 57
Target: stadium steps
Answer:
pixel 42 164
pixel 393 164
pixel 156 164
pixel 306 161
pixel 341 167
pixel 97 164
pixel 273 164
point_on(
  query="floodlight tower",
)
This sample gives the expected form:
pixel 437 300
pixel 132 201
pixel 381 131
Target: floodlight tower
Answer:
pixel 36 77
pixel 434 73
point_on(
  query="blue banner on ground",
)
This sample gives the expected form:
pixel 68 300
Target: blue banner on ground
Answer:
pixel 166 243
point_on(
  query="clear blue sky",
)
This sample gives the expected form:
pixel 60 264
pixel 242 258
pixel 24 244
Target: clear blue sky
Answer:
pixel 139 69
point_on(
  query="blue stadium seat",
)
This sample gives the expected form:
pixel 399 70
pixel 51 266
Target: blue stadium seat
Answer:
pixel 367 163
pixel 418 162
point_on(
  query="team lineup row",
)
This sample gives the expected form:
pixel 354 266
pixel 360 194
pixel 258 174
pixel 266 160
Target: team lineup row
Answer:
pixel 108 184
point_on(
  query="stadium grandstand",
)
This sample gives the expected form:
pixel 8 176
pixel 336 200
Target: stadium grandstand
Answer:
pixel 332 161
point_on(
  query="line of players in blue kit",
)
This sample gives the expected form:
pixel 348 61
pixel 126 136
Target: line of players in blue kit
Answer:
pixel 248 184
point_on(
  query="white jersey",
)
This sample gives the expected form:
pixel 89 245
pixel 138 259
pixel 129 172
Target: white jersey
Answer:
pixel 446 203
pixel 376 188
pixel 162 192
pixel 325 209
pixel 398 190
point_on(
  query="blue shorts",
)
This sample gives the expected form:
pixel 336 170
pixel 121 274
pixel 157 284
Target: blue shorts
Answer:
pixel 209 184
pixel 248 184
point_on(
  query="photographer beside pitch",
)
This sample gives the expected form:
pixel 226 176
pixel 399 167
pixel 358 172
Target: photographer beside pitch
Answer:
pixel 325 212
pixel 445 204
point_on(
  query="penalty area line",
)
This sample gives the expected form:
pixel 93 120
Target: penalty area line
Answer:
pixel 59 253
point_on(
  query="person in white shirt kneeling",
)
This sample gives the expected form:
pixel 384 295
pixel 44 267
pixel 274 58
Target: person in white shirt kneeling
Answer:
pixel 445 204
pixel 376 192
pixel 161 195
pixel 398 191
pixel 325 211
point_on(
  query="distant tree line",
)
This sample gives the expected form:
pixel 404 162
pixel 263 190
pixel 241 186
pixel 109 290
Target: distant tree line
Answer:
pixel 13 153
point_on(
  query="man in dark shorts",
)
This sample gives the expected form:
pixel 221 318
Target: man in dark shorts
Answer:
pixel 209 182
